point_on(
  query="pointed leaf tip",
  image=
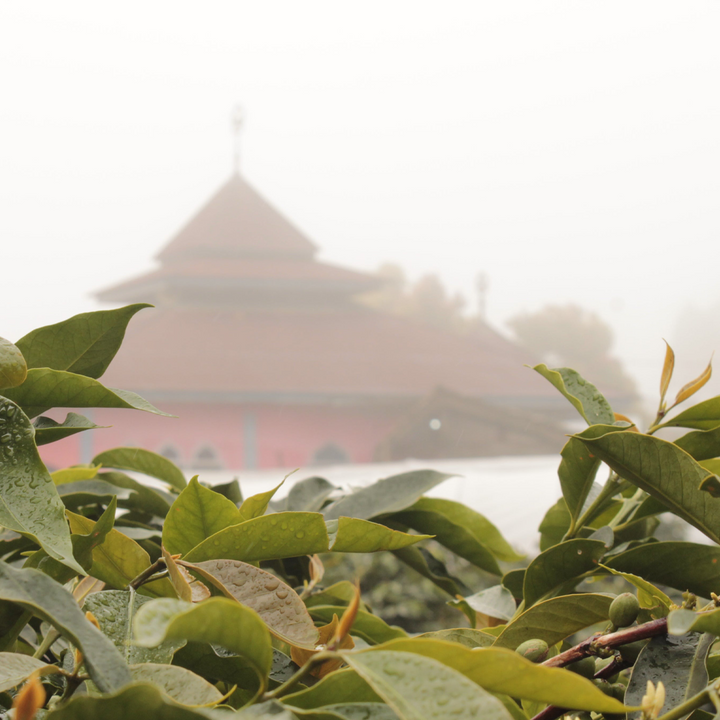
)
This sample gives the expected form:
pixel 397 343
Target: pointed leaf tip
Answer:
pixel 693 386
pixel 667 371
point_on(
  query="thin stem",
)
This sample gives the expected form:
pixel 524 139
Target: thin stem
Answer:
pixel 629 504
pixel 47 642
pixel 609 489
pixel 317 659
pixel 7 641
pixel 146 574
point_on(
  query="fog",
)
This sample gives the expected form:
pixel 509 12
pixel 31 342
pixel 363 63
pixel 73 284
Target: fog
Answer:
pixel 567 150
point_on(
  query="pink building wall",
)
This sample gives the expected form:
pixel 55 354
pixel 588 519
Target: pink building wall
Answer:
pixel 246 436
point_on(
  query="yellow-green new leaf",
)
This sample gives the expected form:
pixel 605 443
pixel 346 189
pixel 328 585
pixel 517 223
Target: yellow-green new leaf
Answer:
pixel 256 505
pixel 421 688
pixel 667 371
pixel 693 386
pixel 363 536
pixel 218 621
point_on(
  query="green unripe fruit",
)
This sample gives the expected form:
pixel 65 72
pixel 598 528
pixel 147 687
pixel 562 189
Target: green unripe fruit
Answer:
pixel 603 685
pixel 617 690
pixel 533 650
pixel 624 610
pixel 584 667
pixel 630 652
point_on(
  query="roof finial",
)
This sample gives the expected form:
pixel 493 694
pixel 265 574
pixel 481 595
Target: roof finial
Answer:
pixel 238 119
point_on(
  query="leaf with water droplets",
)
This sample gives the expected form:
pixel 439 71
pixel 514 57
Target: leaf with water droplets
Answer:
pixel 13 367
pixel 274 601
pixel 218 621
pixel 36 592
pixel 362 536
pixel 269 537
pixel 197 513
pixel 416 687
pixel 29 501
pixel 256 505
pixel 114 610
pixel 582 395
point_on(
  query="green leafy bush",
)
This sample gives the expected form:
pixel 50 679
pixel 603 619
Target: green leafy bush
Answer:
pixel 121 599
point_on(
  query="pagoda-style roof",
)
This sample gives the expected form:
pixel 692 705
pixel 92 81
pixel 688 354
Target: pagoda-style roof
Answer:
pixel 239 251
pixel 237 222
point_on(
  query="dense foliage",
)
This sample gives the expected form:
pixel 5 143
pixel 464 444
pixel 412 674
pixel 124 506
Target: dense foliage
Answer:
pixel 127 591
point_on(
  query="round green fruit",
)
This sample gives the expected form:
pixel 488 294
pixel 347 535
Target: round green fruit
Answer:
pixel 617 690
pixel 584 667
pixel 624 610
pixel 13 369
pixel 603 685
pixel 533 650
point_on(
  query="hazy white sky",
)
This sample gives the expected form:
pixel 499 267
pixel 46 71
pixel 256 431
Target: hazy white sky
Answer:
pixel 568 149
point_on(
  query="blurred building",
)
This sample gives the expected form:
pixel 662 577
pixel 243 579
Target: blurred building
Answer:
pixel 268 360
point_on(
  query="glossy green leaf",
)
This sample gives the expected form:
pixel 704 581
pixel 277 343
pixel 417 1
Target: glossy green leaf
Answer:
pixel 369 627
pixel 682 565
pixel 389 495
pixel 139 701
pixel 181 685
pixel 29 502
pixel 45 388
pixel 496 602
pixel 664 471
pixel 274 601
pixel 340 686
pixel 554 525
pixel 578 468
pixel 701 444
pixel 460 529
pixel 39 594
pixel 503 671
pixel 48 430
pixel 703 416
pixel 256 505
pixel 555 619
pixel 16 668
pixel 363 536
pixel 119 559
pixel 560 563
pixel 142 461
pixel 681 622
pixel 417 687
pixel 218 621
pixel 583 395
pixel 677 662
pixel 196 514
pixel 114 610
pixel 425 563
pixel 84 344
pixel 269 537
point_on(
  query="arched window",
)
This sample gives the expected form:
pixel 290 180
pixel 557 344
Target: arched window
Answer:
pixel 170 452
pixel 207 458
pixel 330 454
